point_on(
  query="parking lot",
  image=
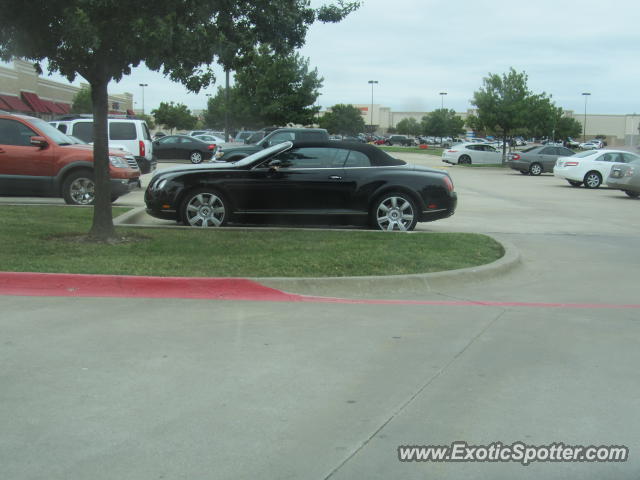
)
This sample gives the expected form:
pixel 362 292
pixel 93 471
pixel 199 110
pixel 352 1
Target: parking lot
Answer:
pixel 124 388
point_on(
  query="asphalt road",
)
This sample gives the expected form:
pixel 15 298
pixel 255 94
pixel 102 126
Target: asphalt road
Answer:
pixel 149 389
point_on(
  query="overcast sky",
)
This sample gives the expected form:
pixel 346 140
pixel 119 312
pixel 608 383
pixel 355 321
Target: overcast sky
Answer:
pixel 418 48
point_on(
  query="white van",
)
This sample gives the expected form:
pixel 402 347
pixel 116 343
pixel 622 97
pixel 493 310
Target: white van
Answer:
pixel 127 134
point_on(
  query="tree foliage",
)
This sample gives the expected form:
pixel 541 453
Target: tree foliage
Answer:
pixel 568 127
pixel 442 123
pixel 409 126
pixel 173 115
pixel 343 120
pixel 274 89
pixel 149 120
pixel 82 101
pixel 180 38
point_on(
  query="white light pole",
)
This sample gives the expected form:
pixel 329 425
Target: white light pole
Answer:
pixel 442 94
pixel 372 82
pixel 584 123
pixel 143 85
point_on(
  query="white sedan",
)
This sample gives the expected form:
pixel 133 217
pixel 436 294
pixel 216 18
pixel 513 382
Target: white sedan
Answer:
pixel 591 144
pixel 589 167
pixel 471 153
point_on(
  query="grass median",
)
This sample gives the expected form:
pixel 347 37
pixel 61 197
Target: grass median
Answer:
pixel 49 239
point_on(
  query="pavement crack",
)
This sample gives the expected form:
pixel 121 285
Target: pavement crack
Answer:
pixel 410 400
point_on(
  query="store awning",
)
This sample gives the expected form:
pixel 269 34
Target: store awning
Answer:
pixel 4 105
pixel 53 108
pixel 65 107
pixel 15 104
pixel 34 102
pixel 131 112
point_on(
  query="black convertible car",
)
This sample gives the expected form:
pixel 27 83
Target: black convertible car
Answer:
pixel 334 181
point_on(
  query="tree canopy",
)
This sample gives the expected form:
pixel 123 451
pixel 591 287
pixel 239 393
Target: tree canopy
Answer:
pixel 173 115
pixel 274 89
pixel 409 126
pixel 101 40
pixel 82 101
pixel 343 119
pixel 442 123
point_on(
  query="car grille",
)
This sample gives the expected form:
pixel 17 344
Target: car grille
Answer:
pixel 131 161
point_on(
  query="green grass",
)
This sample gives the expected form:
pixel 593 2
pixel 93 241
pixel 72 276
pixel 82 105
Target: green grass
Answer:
pixel 49 239
pixel 436 151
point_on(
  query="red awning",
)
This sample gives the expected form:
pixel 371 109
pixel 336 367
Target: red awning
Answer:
pixel 65 107
pixel 131 112
pixel 15 104
pixel 34 102
pixel 4 105
pixel 53 108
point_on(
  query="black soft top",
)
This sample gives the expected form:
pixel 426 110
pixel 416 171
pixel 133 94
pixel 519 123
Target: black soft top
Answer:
pixel 378 157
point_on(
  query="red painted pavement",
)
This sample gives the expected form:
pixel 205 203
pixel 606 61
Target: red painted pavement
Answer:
pixel 239 289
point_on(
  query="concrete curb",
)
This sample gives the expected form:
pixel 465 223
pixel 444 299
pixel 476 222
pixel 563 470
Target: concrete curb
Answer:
pixel 397 284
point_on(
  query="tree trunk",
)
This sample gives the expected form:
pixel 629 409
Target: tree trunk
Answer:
pixel 102 228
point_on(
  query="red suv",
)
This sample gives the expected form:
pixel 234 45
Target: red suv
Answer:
pixel 36 159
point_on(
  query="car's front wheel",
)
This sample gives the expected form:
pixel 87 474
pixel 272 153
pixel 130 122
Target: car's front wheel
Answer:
pixel 632 194
pixel 535 169
pixel 195 157
pixel 592 180
pixel 79 188
pixel 204 208
pixel 394 211
pixel 464 160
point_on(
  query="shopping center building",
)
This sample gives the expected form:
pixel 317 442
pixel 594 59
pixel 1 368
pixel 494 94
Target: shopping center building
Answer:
pixel 22 90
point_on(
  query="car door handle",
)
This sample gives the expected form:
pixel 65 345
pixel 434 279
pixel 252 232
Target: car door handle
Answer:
pixel 335 177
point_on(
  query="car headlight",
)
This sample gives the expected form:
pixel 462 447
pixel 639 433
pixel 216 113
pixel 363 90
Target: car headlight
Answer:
pixel 118 162
pixel 158 184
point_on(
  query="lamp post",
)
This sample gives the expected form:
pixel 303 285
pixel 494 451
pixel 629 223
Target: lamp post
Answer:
pixel 442 94
pixel 584 123
pixel 143 85
pixel 372 82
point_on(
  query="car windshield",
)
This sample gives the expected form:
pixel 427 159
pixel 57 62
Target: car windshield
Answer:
pixel 262 154
pixel 52 132
pixel 528 149
pixel 586 153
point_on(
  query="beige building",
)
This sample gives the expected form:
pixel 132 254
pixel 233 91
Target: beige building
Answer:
pixel 618 129
pixel 22 90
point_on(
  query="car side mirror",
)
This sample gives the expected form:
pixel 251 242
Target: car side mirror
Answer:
pixel 38 141
pixel 274 165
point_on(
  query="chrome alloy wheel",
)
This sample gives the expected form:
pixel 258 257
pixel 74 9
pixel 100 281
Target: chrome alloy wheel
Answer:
pixel 394 213
pixel 82 191
pixel 204 210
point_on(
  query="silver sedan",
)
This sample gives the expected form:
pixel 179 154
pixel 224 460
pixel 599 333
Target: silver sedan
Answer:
pixel 626 177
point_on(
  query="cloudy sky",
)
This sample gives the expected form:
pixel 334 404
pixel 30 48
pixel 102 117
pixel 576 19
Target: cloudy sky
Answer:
pixel 418 48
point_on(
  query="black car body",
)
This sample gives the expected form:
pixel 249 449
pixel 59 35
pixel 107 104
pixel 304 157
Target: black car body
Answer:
pixel 331 180
pixel 280 135
pixel 537 160
pixel 182 147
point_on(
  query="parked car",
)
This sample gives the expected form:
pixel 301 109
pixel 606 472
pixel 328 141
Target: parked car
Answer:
pixel 242 136
pixel 183 147
pixel 471 153
pixel 590 167
pixel 233 154
pixel 211 139
pixel 593 144
pixel 158 135
pixel 40 160
pixel 537 160
pixel 126 134
pixel 572 143
pixel 403 140
pixel 626 176
pixel 330 180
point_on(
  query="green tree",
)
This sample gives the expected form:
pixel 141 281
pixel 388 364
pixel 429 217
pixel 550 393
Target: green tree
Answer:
pixel 180 38
pixel 82 101
pixel 409 126
pixel 568 127
pixel 149 120
pixel 503 103
pixel 343 120
pixel 173 115
pixel 274 89
pixel 442 123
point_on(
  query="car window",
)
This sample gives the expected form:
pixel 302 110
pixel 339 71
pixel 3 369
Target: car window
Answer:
pixel 564 152
pixel 548 151
pixel 610 157
pixel 357 159
pixel 281 137
pixel 312 158
pixel 489 148
pixel 528 149
pixel 62 128
pixel 122 131
pixel 84 131
pixel 473 147
pixel 145 132
pixel 15 133
pixel 630 158
pixel 169 140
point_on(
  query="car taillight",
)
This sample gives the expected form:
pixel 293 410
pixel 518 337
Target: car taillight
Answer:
pixel 629 172
pixel 212 146
pixel 448 183
pixel 142 148
pixel 515 156
pixel 571 164
pixel 452 151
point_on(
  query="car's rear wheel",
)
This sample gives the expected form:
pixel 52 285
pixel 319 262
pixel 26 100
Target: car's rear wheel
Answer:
pixel 573 183
pixel 79 188
pixel 535 169
pixel 464 160
pixel 592 180
pixel 195 157
pixel 632 194
pixel 204 208
pixel 394 211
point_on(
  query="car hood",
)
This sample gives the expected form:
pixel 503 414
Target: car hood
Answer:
pixel 86 147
